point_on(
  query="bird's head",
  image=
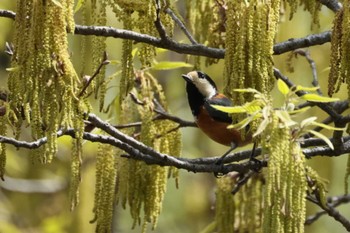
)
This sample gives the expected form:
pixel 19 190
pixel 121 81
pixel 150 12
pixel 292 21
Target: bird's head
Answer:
pixel 197 80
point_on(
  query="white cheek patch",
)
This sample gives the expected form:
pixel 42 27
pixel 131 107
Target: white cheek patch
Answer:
pixel 205 88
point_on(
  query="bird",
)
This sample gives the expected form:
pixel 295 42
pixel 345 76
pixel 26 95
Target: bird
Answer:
pixel 202 93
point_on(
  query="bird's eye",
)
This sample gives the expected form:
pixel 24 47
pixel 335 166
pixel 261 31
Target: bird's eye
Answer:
pixel 200 74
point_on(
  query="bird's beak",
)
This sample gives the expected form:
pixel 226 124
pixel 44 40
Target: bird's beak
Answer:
pixel 186 77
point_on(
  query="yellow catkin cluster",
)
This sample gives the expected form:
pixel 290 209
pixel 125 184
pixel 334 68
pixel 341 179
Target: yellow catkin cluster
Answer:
pixel 140 185
pixel 248 61
pixel 138 16
pixel 207 24
pixel 340 68
pixel 43 83
pixel 106 173
pixel 241 212
pixel 285 190
pixel 95 14
pixel 314 7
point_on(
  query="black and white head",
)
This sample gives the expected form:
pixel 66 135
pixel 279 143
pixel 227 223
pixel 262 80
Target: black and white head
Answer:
pixel 199 88
pixel 202 82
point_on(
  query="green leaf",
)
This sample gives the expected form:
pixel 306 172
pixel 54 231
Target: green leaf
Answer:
pixel 301 88
pixel 234 109
pixel 114 62
pixel 250 90
pixel 318 98
pixel 261 127
pixel 133 52
pixel 240 125
pixel 285 118
pixel 327 126
pixel 307 121
pixel 57 3
pixel 78 6
pixel 300 110
pixel 169 65
pixel 282 87
pixel 12 69
pixel 161 50
pixel 323 137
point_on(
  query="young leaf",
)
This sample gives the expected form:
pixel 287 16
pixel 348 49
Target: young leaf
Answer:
pixel 285 118
pixel 301 88
pixel 12 69
pixel 234 109
pixel 240 125
pixel 250 90
pixel 78 6
pixel 169 65
pixel 318 98
pixel 327 126
pixel 282 87
pixel 261 127
pixel 323 137
pixel 307 121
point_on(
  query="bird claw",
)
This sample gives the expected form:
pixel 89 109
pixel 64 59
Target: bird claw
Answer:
pixel 256 165
pixel 220 163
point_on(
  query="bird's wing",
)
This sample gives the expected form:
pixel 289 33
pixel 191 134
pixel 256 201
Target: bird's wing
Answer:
pixel 217 114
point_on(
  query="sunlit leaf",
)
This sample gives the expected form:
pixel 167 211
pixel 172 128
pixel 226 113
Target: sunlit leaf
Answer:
pixel 327 126
pixel 231 109
pixel 114 62
pixel 242 124
pixel 261 127
pixel 307 121
pixel 318 98
pixel 285 118
pixel 323 137
pixel 78 6
pixel 57 3
pixel 168 65
pixel 250 90
pixel 301 88
pixel 161 50
pixel 133 52
pixel 282 87
pixel 12 69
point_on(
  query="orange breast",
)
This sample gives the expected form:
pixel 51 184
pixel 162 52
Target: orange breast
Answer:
pixel 218 130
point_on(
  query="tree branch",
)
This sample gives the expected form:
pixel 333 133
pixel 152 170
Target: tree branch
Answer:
pixel 331 211
pixel 182 48
pixel 310 40
pixel 334 5
pixel 333 202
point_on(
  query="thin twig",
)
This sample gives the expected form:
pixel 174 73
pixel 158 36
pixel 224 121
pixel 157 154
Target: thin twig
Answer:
pixel 242 181
pixel 333 202
pixel 306 53
pixel 181 25
pixel 104 62
pixel 331 211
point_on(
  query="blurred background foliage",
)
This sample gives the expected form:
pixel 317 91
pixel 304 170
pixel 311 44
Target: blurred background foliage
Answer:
pixel 34 197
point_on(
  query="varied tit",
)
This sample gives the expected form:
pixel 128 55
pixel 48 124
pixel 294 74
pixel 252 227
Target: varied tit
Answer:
pixel 202 94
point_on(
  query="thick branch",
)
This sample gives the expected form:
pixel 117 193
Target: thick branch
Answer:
pixel 310 40
pixel 192 49
pixel 334 5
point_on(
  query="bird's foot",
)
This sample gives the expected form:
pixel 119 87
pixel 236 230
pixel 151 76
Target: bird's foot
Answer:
pixel 256 164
